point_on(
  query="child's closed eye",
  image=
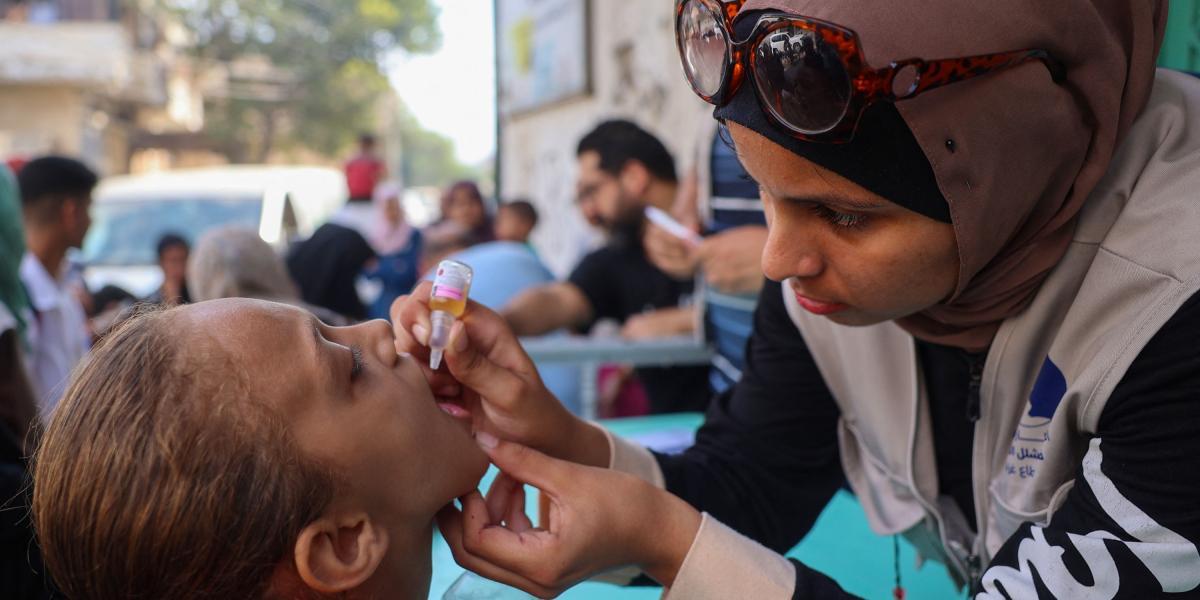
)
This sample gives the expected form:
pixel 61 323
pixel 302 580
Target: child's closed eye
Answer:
pixel 356 354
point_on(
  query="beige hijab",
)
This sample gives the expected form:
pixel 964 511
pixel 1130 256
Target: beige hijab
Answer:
pixel 1026 151
pixel 233 262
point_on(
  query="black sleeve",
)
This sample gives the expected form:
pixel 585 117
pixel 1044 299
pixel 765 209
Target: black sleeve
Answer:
pixel 765 462
pixel 1131 523
pixel 595 277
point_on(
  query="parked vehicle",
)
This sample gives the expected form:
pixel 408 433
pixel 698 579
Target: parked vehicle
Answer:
pixel 130 214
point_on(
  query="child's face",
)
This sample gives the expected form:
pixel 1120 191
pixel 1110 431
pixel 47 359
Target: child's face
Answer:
pixel 374 419
pixel 512 227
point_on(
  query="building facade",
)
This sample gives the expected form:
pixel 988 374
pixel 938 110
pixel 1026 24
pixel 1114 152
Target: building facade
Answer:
pixel 96 79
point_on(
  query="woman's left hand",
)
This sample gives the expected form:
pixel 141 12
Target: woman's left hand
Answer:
pixel 598 520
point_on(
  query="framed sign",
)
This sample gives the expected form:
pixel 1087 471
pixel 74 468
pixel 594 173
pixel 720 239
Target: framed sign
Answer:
pixel 542 53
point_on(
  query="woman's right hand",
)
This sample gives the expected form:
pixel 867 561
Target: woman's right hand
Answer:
pixel 597 519
pixel 488 373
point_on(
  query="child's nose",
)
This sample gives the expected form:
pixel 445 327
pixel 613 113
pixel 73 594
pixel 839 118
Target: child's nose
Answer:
pixel 382 340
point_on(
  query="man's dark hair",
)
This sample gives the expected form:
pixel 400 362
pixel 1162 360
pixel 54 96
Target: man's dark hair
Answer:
pixel 47 181
pixel 170 240
pixel 523 209
pixel 366 139
pixel 619 141
pixel 108 296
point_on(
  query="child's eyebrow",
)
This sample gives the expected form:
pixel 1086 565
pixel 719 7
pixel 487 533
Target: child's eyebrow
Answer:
pixel 315 330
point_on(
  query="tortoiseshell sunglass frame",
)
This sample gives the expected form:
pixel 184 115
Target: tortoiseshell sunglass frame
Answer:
pixel 867 85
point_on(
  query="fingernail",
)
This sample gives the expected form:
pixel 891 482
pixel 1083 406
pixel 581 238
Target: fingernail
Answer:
pixel 422 334
pixel 486 440
pixel 460 338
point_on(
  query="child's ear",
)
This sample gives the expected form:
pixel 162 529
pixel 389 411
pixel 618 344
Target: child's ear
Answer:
pixel 338 553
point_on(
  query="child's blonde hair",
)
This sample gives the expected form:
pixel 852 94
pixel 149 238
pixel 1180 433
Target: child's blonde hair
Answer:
pixel 160 477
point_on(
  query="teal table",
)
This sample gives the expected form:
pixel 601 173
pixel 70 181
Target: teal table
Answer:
pixel 840 543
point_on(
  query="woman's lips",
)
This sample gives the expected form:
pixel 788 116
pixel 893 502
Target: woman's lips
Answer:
pixel 818 307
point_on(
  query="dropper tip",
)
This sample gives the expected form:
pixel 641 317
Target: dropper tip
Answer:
pixel 435 358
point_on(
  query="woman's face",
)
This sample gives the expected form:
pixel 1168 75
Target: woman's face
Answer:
pixel 352 403
pixel 392 211
pixel 846 253
pixel 465 209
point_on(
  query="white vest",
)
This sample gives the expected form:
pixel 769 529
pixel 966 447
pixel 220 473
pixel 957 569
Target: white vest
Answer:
pixel 1134 260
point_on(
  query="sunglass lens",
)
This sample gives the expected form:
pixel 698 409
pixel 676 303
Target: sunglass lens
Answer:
pixel 801 79
pixel 704 46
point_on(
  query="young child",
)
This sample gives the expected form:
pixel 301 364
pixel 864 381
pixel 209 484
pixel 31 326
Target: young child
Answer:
pixel 242 449
pixel 515 221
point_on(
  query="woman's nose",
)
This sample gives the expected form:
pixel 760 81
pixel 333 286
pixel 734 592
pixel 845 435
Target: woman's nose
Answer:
pixel 790 252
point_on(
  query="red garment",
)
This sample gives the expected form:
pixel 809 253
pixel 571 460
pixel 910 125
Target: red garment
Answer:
pixel 362 173
pixel 15 163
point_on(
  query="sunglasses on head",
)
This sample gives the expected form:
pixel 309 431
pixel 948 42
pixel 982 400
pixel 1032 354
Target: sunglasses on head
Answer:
pixel 810 75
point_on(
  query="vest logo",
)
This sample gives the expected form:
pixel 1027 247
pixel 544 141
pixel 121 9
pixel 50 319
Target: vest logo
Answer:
pixel 1048 390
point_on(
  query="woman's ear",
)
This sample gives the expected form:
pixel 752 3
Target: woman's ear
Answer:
pixel 339 553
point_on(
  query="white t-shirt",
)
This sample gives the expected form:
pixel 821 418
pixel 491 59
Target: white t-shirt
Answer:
pixel 57 334
pixel 6 319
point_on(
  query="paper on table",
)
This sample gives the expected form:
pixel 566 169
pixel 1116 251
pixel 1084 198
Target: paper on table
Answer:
pixel 667 441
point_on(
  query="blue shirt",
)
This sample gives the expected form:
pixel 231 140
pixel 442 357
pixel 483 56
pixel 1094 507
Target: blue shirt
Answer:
pixel 398 274
pixel 501 271
pixel 733 202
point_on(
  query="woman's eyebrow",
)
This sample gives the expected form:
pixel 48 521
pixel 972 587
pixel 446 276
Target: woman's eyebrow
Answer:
pixel 836 200
pixel 827 197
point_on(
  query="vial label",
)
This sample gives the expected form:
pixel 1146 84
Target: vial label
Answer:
pixel 441 290
pixel 449 284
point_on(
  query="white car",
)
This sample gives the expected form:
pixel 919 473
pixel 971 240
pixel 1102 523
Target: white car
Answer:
pixel 130 213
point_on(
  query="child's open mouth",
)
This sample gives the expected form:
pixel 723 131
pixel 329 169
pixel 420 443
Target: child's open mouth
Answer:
pixel 456 411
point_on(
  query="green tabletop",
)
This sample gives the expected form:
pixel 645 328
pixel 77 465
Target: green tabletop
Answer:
pixel 840 543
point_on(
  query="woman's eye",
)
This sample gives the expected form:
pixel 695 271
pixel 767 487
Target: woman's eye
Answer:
pixel 840 219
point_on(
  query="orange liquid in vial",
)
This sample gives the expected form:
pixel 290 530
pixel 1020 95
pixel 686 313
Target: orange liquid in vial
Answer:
pixel 450 305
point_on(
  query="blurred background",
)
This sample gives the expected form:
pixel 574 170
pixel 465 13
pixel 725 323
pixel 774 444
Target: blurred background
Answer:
pixel 496 91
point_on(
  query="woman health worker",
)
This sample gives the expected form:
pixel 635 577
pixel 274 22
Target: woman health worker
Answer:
pixel 982 312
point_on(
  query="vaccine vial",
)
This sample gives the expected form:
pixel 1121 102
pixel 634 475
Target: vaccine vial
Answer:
pixel 447 301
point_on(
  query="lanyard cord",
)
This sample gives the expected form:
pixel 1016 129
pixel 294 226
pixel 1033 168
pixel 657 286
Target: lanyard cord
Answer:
pixel 898 591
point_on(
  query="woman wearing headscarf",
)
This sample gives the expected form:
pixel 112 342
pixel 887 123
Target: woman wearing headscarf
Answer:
pixel 234 262
pixel 18 407
pixel 327 265
pixel 398 246
pixel 982 312
pixel 21 572
pixel 463 203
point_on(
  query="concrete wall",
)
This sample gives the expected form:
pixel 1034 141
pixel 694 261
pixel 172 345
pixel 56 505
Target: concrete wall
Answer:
pixel 60 119
pixel 36 119
pixel 635 75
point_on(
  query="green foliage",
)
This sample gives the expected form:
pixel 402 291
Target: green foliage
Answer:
pixel 315 72
pixel 428 158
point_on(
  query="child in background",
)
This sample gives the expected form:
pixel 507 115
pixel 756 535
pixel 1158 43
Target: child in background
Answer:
pixel 241 448
pixel 515 221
